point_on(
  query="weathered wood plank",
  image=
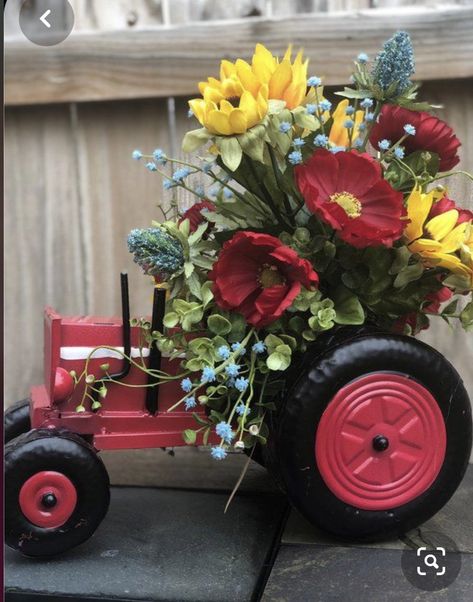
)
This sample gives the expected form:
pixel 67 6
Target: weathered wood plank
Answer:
pixel 169 61
pixel 117 194
pixel 72 195
pixel 44 256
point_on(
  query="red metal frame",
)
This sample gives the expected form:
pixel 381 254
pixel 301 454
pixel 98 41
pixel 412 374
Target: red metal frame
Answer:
pixel 123 422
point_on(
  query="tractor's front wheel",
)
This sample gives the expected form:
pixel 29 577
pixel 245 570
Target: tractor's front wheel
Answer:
pixel 16 420
pixel 374 437
pixel 56 492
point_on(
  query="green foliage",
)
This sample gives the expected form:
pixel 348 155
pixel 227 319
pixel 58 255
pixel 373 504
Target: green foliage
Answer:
pixel 347 307
pixel 466 317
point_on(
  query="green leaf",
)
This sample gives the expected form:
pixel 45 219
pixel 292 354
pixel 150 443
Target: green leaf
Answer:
pixel 219 325
pixel 189 436
pixel 349 93
pixel 466 317
pixel 291 341
pixel 451 308
pixel 194 365
pixel 193 284
pixel 271 342
pixel 278 361
pixel 284 350
pixel 458 282
pixel 231 151
pixel 188 269
pixel 348 307
pixel 409 274
pixel 305 120
pixel 206 293
pixel 195 139
pixel 401 260
pixel 171 319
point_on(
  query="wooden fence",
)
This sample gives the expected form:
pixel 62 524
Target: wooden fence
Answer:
pixel 75 112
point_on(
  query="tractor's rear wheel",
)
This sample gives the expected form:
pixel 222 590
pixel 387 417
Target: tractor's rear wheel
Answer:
pixel 374 437
pixel 16 420
pixel 56 492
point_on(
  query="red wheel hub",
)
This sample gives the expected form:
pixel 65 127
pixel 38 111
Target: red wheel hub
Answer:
pixel 380 442
pixel 48 499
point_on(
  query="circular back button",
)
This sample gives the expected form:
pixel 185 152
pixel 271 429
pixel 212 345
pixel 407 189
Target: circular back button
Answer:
pixel 46 22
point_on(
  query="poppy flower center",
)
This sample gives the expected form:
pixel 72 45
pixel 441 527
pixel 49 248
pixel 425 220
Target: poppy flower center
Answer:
pixel 270 276
pixel 348 202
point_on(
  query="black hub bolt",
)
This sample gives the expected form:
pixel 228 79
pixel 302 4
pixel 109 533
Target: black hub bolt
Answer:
pixel 380 443
pixel 49 500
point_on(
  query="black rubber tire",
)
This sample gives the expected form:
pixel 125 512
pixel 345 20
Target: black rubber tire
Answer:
pixel 16 420
pixel 69 454
pixel 293 435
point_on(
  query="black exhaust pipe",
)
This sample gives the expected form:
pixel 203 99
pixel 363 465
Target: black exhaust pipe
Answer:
pixel 154 363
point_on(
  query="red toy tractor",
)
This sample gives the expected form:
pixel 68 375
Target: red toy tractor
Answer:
pixel 371 436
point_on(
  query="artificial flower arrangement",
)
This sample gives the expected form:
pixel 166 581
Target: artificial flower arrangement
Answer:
pixel 319 215
pixel 283 301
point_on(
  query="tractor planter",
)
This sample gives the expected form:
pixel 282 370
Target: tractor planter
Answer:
pixel 371 437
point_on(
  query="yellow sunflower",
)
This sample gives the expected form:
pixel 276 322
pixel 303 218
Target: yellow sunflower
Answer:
pixel 338 132
pixel 286 80
pixel 439 239
pixel 227 107
pixel 239 99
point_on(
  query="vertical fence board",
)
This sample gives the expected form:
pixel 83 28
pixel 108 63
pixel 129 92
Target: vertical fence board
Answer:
pixel 118 194
pixel 43 229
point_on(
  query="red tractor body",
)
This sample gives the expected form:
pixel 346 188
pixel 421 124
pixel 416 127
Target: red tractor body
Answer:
pixel 124 421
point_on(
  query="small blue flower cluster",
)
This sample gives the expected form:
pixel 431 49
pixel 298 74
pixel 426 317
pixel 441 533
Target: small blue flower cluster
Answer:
pixel 295 157
pixel 284 127
pixel 180 174
pixel 384 144
pixel 314 81
pixel 321 140
pixel 159 156
pixel 224 430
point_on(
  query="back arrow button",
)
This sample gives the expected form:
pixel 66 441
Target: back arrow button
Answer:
pixel 43 18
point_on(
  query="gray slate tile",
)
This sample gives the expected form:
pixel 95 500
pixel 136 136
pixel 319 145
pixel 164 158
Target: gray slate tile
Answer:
pixel 313 573
pixel 161 545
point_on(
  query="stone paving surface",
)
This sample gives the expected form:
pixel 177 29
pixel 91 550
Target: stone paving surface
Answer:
pixel 162 543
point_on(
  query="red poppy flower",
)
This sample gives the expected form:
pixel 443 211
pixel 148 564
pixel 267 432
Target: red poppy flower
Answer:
pixel 194 214
pixel 347 190
pixel 444 205
pixel 432 134
pixel 259 277
pixel 436 299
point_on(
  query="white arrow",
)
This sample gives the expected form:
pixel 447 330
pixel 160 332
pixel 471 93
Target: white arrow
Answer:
pixel 43 18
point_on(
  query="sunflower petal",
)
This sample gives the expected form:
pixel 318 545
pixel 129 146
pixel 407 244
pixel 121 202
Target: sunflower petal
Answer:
pixel 454 239
pixel 280 80
pixel 418 207
pixel 238 121
pixel 219 122
pixel 440 225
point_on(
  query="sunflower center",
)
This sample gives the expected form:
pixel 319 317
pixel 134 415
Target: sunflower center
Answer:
pixel 234 101
pixel 270 276
pixel 348 202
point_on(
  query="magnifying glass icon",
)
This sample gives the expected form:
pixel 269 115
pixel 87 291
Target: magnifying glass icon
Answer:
pixel 431 561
